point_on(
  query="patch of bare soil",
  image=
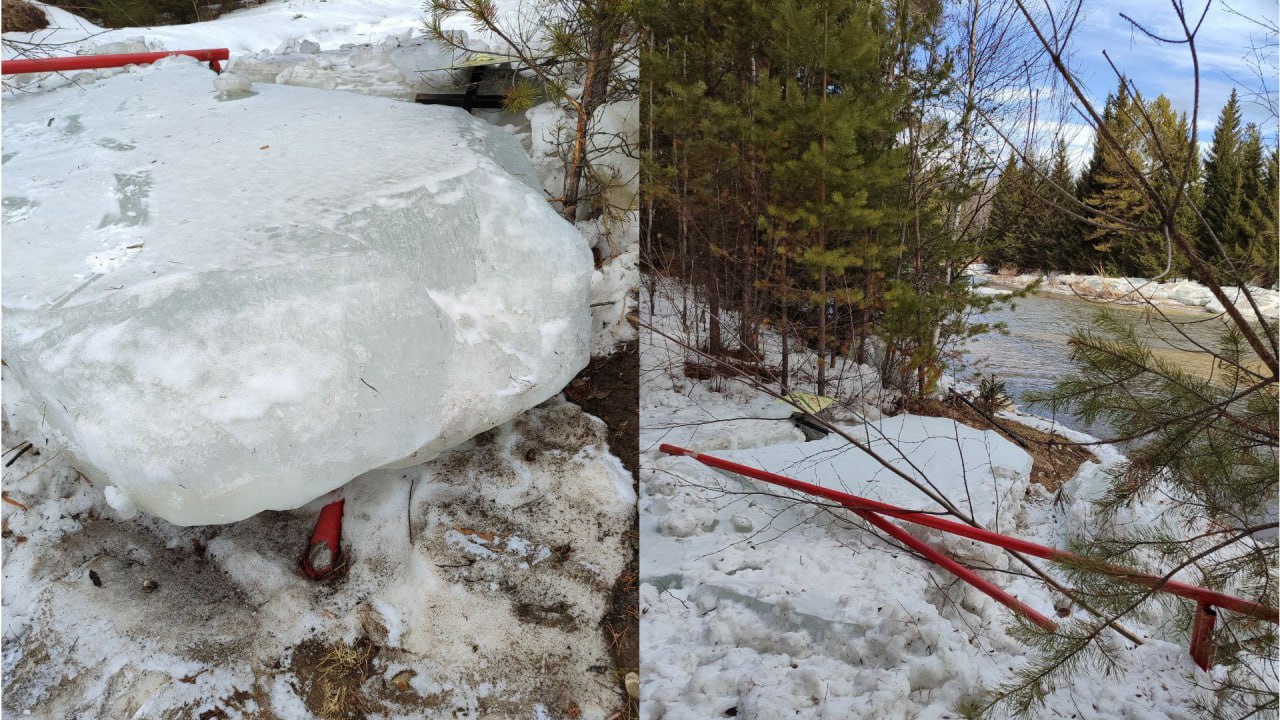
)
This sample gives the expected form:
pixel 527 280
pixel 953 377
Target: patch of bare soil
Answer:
pixel 21 16
pixel 1055 458
pixel 330 677
pixel 609 389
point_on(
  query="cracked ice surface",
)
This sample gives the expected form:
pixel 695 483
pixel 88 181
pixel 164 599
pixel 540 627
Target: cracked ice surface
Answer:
pixel 229 303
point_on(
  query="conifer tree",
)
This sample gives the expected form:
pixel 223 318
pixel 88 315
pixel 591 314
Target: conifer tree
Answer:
pixel 928 305
pixel 1166 147
pixel 1267 243
pixel 1061 227
pixel 1223 184
pixel 1004 230
pixel 837 169
pixel 1113 198
pixel 1258 253
pixel 1157 144
pixel 700 171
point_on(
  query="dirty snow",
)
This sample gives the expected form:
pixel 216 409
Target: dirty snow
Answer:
pixel 489 606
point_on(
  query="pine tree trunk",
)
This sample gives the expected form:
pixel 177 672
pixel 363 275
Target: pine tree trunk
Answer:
pixel 715 345
pixel 748 335
pixel 685 260
pixel 595 91
pixel 786 331
pixel 822 324
pixel 822 240
pixel 785 381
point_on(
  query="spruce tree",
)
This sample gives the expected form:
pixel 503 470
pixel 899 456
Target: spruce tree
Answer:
pixel 1157 142
pixel 1223 181
pixel 1258 251
pixel 1267 243
pixel 1110 194
pixel 1167 148
pixel 1060 250
pixel 1004 239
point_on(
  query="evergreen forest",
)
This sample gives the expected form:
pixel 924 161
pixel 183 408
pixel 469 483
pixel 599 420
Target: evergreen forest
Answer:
pixel 830 170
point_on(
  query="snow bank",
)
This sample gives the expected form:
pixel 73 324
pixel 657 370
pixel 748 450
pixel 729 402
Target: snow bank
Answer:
pixel 614 235
pixel 225 303
pixel 1186 293
pixel 398 67
pixel 265 27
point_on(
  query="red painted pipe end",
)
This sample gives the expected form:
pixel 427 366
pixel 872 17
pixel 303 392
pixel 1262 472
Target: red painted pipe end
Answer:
pixel 1202 635
pixel 672 450
pixel 324 555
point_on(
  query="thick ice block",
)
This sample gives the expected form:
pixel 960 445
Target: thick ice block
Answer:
pixel 226 303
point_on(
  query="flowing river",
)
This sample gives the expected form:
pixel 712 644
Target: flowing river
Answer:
pixel 1034 355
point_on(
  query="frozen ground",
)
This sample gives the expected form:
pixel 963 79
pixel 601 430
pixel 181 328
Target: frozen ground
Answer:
pixel 756 604
pixel 478 581
pixel 493 608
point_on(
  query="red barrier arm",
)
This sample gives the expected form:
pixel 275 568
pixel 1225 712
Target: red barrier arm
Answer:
pixel 944 561
pixel 853 502
pixel 213 56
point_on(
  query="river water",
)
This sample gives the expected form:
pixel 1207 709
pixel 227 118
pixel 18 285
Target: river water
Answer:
pixel 1034 355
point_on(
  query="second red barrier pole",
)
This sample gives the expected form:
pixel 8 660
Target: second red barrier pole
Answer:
pixel 1202 635
pixel 947 563
pixel 936 556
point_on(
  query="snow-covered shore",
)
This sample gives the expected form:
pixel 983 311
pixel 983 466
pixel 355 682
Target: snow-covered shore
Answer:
pixel 1186 294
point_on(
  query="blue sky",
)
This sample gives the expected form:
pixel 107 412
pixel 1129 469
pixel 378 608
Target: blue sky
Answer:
pixel 1222 46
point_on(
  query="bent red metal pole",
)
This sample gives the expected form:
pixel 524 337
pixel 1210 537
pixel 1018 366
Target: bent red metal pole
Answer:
pixel 853 502
pixel 213 56
pixel 936 556
pixel 947 563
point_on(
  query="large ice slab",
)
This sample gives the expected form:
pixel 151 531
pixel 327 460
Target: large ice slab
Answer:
pixel 980 472
pixel 231 304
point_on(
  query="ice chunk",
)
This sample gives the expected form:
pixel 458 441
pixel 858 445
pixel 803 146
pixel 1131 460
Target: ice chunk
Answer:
pixel 395 68
pixel 231 305
pixel 120 502
pixel 980 472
